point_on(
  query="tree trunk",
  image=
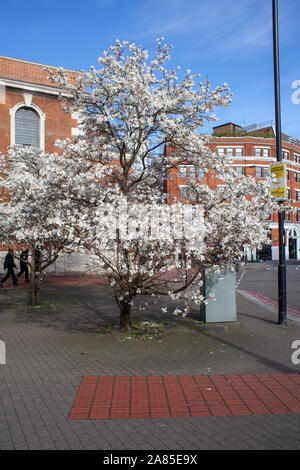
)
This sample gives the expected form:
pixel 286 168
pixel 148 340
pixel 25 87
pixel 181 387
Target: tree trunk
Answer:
pixel 34 288
pixel 35 276
pixel 125 315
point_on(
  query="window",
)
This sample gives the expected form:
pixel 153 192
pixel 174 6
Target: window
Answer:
pixel 220 151
pixel 238 152
pixel 27 127
pixel 298 215
pixel 297 195
pixel 285 154
pixel 182 172
pixel 201 174
pixel 258 171
pixel 192 195
pixel 183 192
pixel 257 152
pixel 229 152
pixel 239 171
pixel 266 171
pixel 192 172
pixel 265 152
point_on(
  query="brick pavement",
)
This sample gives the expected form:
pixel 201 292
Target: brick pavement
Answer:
pixel 109 397
pixel 50 350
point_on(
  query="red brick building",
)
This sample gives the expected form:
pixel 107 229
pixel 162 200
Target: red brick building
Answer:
pixel 30 112
pixel 253 150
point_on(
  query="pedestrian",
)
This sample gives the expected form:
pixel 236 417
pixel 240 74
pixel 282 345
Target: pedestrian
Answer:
pixel 24 264
pixel 9 265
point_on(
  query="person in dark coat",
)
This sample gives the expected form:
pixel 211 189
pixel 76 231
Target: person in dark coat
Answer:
pixel 9 265
pixel 24 265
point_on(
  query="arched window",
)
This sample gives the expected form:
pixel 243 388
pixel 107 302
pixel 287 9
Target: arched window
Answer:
pixel 292 233
pixel 27 127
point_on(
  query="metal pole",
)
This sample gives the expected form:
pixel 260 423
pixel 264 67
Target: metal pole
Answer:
pixel 281 265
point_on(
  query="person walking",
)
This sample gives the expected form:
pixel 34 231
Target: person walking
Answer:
pixel 9 265
pixel 24 265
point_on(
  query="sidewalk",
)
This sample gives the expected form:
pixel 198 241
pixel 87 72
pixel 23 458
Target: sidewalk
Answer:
pixel 55 350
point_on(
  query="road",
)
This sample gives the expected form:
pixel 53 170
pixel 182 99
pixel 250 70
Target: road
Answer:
pixel 258 282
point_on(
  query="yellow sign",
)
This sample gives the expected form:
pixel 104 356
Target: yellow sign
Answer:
pixel 278 183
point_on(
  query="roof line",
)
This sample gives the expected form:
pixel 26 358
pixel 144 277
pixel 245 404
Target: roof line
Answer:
pixel 36 63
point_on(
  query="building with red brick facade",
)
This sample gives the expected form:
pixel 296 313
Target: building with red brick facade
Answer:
pixel 30 112
pixel 253 149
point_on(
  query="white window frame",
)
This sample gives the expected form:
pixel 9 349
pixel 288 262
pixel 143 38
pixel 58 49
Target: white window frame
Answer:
pixel 192 172
pixel 258 169
pixel 296 158
pixel 258 152
pixel 241 170
pixel 42 118
pixel 285 154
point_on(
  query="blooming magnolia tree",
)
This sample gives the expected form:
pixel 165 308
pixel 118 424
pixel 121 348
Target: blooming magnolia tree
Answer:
pixel 33 216
pixel 128 110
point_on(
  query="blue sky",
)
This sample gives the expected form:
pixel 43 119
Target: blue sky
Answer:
pixel 224 40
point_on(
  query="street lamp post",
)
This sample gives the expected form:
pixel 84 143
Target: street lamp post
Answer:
pixel 281 265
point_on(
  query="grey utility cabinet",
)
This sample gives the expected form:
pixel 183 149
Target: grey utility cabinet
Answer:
pixel 222 285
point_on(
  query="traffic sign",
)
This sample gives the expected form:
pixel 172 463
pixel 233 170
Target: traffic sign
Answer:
pixel 278 182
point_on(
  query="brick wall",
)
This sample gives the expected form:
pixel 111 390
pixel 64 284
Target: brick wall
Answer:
pixel 31 72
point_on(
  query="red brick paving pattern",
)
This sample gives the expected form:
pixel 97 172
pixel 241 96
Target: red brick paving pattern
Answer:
pixel 115 397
